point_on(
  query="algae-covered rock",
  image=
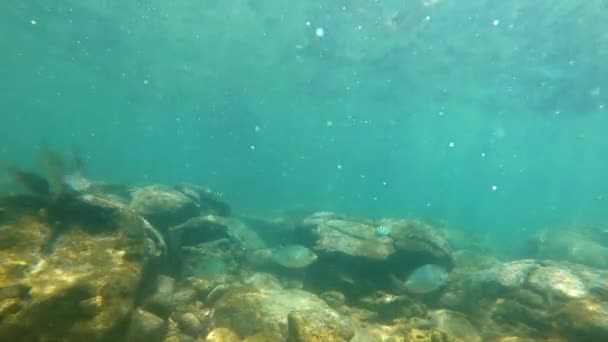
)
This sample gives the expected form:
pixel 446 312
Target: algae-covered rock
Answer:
pixel 374 240
pixel 189 324
pixel 313 325
pixel 418 335
pixel 160 302
pixel 575 244
pixel 70 269
pixel 550 299
pixel 454 324
pixel 222 335
pixel 210 202
pixel 365 256
pixel 249 310
pixel 146 327
pixel 163 206
pixel 197 230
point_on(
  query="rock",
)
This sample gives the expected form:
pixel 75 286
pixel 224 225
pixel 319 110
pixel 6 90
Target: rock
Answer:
pixel 196 230
pixel 163 206
pixel 263 281
pixel 454 324
pixel 146 327
pixel 468 260
pixel 368 255
pixel 504 278
pixel 214 261
pixel 584 320
pixel 334 299
pixel 313 325
pixel 173 333
pixel 161 301
pixel 574 244
pixel 70 269
pixel 265 337
pixel 185 338
pixel 331 233
pixel 190 324
pixel 222 335
pixel 248 310
pixel 205 247
pixel 184 296
pixel 418 335
pixel 389 306
pixel 548 299
pixel 208 200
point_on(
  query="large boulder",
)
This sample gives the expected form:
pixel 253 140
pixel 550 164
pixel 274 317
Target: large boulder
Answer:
pixel 162 205
pixel 71 268
pixel 550 299
pixel 369 253
pixel 374 240
pixel 583 245
pixel 263 306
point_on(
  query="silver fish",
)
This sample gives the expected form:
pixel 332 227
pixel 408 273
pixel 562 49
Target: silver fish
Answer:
pixel 424 279
pixel 294 256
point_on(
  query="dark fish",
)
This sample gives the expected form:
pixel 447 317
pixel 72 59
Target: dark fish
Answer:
pixel 32 182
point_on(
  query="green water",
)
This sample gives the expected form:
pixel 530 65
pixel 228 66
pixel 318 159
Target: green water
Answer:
pixel 398 109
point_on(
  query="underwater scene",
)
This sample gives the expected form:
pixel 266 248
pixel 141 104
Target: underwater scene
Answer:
pixel 304 171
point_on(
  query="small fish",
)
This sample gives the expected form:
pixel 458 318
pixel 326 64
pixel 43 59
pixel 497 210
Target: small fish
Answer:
pixel 383 230
pixel 293 256
pixel 424 279
pixel 32 182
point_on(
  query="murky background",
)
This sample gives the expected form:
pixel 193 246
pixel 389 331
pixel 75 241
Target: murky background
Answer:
pixel 481 114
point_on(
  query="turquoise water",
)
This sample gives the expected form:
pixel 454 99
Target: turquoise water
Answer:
pixel 484 115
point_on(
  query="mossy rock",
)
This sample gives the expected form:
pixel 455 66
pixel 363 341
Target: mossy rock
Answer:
pixel 249 311
pixel 69 280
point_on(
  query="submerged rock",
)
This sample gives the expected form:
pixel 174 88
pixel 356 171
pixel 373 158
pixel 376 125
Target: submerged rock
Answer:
pixel 454 324
pixel 542 298
pixel 419 335
pixel 146 327
pixel 354 255
pixel 250 310
pixel 331 233
pixel 315 325
pixel 74 279
pixel 160 302
pixel 574 244
pixel 163 206
pixel 222 335
pixel 209 201
pixel 190 324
